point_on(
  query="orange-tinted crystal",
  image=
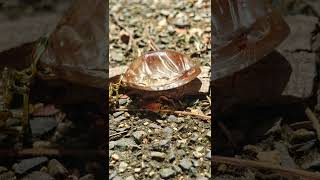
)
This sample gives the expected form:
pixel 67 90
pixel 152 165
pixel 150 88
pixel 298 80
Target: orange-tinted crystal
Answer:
pixel 161 70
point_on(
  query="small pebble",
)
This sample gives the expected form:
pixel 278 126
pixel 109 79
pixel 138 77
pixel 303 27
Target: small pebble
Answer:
pixel 195 163
pixel 138 136
pixel 194 137
pixel 171 156
pixel 167 130
pixel 166 172
pixel 115 157
pixel 208 134
pixel 208 155
pixel 122 102
pixel 201 178
pixel 137 170
pixel 177 168
pixel 55 168
pixel 123 166
pixel 116 114
pixel 87 177
pixel 197 154
pixel 172 118
pixel 117 178
pixel 130 178
pixel 159 156
pixel 185 163
pixel 8 175
pixel 120 118
pixel 165 143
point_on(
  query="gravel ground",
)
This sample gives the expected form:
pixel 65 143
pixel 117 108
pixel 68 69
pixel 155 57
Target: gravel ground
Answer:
pixel 151 145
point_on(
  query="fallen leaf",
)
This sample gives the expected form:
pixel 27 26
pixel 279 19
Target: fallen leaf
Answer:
pixel 152 106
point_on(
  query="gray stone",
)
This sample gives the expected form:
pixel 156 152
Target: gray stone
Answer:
pixel 87 177
pixel 181 21
pixel 138 136
pixel 165 12
pixel 208 134
pixel 42 144
pixel 130 178
pixel 168 131
pixel 8 176
pixel 197 154
pixel 122 166
pixel 165 142
pixel 301 28
pixel 120 118
pixel 159 156
pixel 125 143
pixel 177 168
pixel 55 168
pixel 116 114
pixel 167 172
pixel 194 137
pixel 122 101
pixel 201 178
pixel 112 174
pixel 285 158
pixel 41 125
pixel 208 155
pixel 185 164
pixel 11 121
pixel 301 81
pixel 171 156
pixel 154 126
pixel 195 163
pixel 172 118
pixel 28 164
pixel 38 175
pixel 117 178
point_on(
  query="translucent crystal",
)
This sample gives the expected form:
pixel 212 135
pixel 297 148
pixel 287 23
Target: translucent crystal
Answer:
pixel 161 70
pixel 244 31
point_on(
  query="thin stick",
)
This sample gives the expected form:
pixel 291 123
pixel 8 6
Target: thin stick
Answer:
pixel 283 171
pixel 315 122
pixel 153 45
pixel 204 117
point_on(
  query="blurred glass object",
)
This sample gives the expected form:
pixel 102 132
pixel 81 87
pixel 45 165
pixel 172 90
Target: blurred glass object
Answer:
pixel 244 31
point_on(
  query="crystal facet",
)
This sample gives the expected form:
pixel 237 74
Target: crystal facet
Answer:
pixel 161 70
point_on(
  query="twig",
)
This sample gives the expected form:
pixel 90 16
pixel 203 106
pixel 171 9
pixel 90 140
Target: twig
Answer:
pixel 153 45
pixel 204 117
pixel 315 122
pixel 283 171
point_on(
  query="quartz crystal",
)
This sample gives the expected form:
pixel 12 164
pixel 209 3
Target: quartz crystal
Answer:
pixel 244 31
